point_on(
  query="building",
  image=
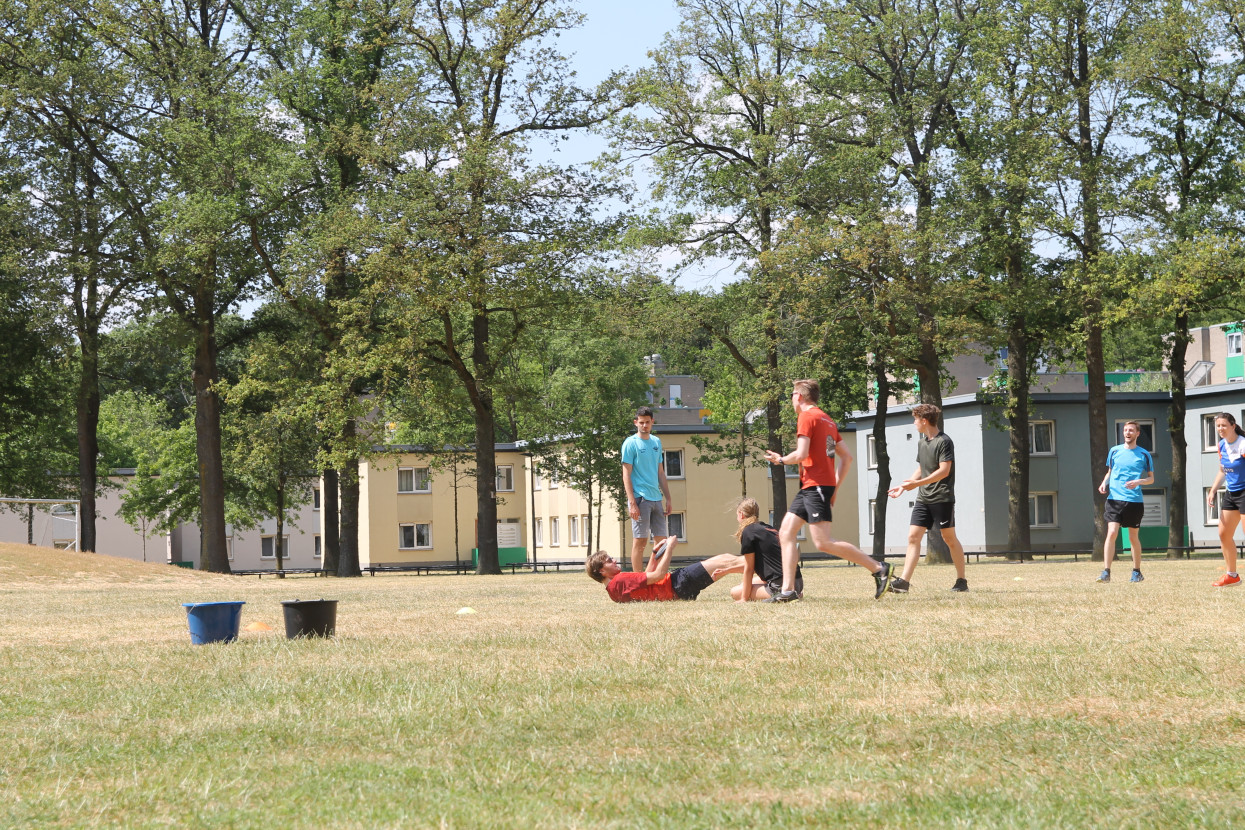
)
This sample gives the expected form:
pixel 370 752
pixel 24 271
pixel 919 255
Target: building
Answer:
pixel 1202 405
pixel 1215 356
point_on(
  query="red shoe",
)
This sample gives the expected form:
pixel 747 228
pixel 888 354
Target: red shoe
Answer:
pixel 1227 581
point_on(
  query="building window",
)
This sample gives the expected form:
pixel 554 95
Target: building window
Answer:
pixel 540 533
pixel 553 531
pixel 586 530
pixel 674 464
pixel 1210 512
pixel 414 480
pixel 553 479
pixel 792 470
pixel 1043 510
pixel 268 547
pixel 1041 438
pixel 535 477
pixel 871 453
pixel 1234 344
pixel 229 547
pixel 1145 440
pixel 315 546
pixel 1210 438
pixel 799 534
pixel 574 530
pixel 315 498
pixel 873 504
pixel 676 527
pixel 415 536
pixel 505 479
pixel 676 394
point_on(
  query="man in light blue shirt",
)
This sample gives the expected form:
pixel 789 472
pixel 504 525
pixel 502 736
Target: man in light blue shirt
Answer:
pixel 1128 467
pixel 644 480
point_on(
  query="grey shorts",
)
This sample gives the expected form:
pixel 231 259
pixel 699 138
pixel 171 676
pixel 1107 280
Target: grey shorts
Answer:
pixel 652 521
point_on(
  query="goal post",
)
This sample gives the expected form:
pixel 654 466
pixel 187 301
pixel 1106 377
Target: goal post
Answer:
pixel 77 510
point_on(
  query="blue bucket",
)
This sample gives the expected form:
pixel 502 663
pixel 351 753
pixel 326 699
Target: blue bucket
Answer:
pixel 213 622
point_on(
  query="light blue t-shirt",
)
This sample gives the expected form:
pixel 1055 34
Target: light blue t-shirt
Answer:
pixel 645 458
pixel 1127 465
pixel 1232 460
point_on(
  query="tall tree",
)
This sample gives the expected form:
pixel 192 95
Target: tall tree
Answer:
pixel 476 241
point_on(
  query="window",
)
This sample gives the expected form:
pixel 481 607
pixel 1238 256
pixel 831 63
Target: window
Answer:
pixel 505 479
pixel 799 534
pixel 414 480
pixel 1042 438
pixel 268 547
pixel 1210 512
pixel 229 547
pixel 587 530
pixel 676 394
pixel 315 498
pixel 1234 344
pixel 1210 438
pixel 540 533
pixel 1043 510
pixel 676 527
pixel 535 477
pixel 574 530
pixel 553 479
pixel 792 470
pixel 674 463
pixel 873 505
pixel 871 453
pixel 415 536
pixel 553 531
pixel 315 546
pixel 1145 440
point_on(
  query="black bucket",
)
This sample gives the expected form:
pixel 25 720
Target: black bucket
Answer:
pixel 310 617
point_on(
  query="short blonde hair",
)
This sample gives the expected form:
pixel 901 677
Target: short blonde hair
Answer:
pixel 809 388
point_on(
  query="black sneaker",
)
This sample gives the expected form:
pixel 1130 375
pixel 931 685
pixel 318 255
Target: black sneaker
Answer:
pixel 960 586
pixel 784 596
pixel 882 579
pixel 899 585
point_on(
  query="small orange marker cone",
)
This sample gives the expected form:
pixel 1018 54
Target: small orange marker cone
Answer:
pixel 258 626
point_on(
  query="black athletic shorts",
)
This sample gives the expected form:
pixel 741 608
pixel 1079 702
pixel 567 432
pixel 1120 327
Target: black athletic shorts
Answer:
pixel 1232 500
pixel 927 514
pixel 812 504
pixel 1126 513
pixel 774 586
pixel 690 581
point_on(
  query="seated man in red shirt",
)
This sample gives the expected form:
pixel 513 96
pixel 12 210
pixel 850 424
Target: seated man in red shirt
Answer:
pixel 657 582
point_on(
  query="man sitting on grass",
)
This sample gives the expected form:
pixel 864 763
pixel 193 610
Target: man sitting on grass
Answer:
pixel 657 582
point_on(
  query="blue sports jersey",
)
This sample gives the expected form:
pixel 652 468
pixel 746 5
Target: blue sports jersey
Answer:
pixel 1232 460
pixel 1127 465
pixel 645 457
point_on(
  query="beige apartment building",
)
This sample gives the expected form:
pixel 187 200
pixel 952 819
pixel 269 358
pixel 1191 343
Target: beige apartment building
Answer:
pixel 415 513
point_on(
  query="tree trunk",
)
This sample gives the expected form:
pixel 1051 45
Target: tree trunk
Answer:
pixel 330 543
pixel 881 452
pixel 213 540
pixel 1177 508
pixel 1018 451
pixel 88 435
pixel 279 543
pixel 348 482
pixel 777 472
pixel 486 485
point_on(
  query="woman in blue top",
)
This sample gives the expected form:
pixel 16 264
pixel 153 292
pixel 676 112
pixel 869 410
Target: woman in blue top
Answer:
pixel 1231 473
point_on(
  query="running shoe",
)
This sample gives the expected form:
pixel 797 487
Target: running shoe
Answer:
pixel 784 596
pixel 1105 576
pixel 1228 581
pixel 882 579
pixel 899 585
pixel 960 586
pixel 1136 577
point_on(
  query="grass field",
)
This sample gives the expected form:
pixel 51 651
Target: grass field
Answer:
pixel 1040 699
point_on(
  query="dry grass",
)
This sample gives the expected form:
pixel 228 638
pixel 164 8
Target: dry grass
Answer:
pixel 1038 699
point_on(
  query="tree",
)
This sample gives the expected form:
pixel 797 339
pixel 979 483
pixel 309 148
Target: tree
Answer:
pixel 474 242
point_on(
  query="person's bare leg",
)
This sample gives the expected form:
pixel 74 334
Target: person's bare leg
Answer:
pixel 759 590
pixel 1108 544
pixel 1134 541
pixel 915 534
pixel 722 560
pixel 637 554
pixel 820 533
pixel 956 548
pixel 1228 520
pixel 791 524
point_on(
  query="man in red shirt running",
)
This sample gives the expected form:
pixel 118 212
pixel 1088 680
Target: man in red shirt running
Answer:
pixel 657 583
pixel 817 440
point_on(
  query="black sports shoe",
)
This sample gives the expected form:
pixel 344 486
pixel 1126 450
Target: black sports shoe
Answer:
pixel 784 596
pixel 899 585
pixel 882 579
pixel 960 586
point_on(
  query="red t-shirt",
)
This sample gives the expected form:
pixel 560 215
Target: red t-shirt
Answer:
pixel 634 587
pixel 823 434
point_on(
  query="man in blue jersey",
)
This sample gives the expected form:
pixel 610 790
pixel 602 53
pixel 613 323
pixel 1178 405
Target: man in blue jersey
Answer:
pixel 644 480
pixel 1128 468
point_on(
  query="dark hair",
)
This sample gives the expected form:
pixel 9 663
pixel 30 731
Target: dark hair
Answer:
pixel 594 565
pixel 644 410
pixel 927 411
pixel 810 389
pixel 1227 416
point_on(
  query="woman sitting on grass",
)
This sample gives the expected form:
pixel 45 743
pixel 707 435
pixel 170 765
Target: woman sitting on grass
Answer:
pixel 760 557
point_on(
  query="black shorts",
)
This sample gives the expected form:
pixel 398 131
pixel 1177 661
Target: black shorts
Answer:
pixel 812 504
pixel 927 514
pixel 774 586
pixel 1232 500
pixel 1125 513
pixel 690 581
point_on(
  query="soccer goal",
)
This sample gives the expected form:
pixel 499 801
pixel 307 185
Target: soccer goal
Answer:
pixel 74 506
